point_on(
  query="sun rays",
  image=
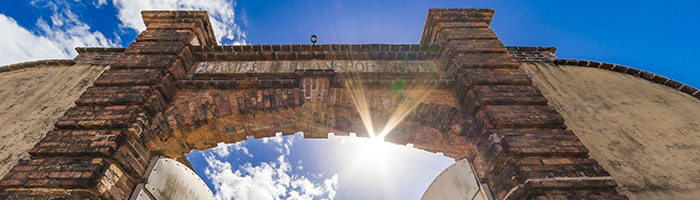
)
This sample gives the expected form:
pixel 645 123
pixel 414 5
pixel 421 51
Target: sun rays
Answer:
pixel 412 93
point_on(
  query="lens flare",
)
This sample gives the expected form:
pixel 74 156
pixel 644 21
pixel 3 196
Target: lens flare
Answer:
pixel 414 90
pixel 359 100
pixel 415 97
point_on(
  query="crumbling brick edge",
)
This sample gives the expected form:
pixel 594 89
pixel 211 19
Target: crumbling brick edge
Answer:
pixel 690 90
pixel 546 54
pixel 36 63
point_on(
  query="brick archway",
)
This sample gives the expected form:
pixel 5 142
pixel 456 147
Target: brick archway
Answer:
pixel 208 117
pixel 151 101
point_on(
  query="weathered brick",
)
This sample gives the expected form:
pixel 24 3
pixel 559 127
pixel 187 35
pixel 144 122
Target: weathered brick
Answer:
pixel 465 33
pixel 98 117
pixel 75 145
pixel 165 36
pixel 471 77
pixel 481 95
pixel 521 116
pixel 156 48
pixel 158 77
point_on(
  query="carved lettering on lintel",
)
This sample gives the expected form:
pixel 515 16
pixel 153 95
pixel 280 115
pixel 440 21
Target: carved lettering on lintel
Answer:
pixel 238 67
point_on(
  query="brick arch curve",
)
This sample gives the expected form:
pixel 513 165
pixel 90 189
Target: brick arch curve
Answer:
pixel 205 118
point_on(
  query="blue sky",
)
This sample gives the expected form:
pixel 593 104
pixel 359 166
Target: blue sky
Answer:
pixel 657 36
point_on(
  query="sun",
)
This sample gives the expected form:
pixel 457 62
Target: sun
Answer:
pixel 374 149
pixel 373 155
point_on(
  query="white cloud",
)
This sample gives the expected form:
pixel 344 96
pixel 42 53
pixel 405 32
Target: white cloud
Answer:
pixel 265 181
pixel 331 184
pixel 55 38
pixel 285 142
pixel 289 143
pixel 310 190
pixel 277 139
pixel 221 14
pixel 21 45
pixel 68 31
pixel 99 3
pixel 222 149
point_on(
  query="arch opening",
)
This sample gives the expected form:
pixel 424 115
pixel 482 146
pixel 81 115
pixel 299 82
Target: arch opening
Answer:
pixel 286 166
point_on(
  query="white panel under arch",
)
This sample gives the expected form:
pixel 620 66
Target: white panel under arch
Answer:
pixel 169 179
pixel 458 181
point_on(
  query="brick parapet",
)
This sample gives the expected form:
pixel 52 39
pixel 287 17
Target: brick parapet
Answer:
pixel 656 78
pixel 38 63
pixel 320 52
pixel 531 49
pixel 546 54
pixel 533 54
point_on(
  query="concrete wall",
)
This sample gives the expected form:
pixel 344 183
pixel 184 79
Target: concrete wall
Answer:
pixel 646 135
pixel 32 100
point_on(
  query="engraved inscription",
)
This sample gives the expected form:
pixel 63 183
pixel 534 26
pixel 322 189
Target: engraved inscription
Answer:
pixel 337 66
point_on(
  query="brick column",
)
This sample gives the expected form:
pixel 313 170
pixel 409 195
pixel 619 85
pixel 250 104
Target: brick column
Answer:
pixel 522 148
pixel 96 150
pixel 314 92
